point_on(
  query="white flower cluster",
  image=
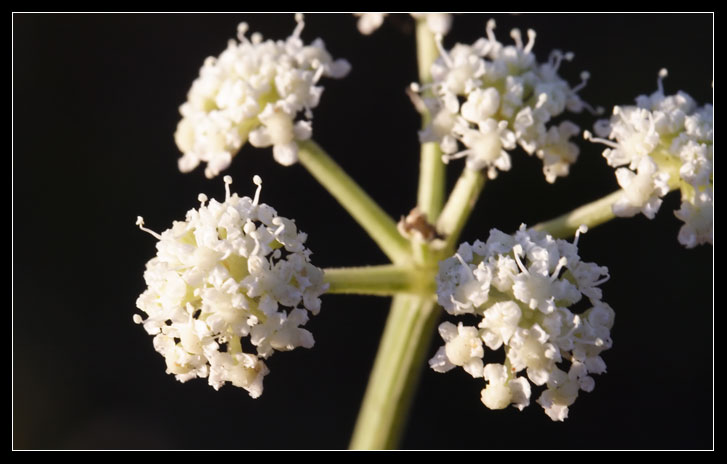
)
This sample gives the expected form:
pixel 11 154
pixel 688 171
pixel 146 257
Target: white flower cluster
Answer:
pixel 521 287
pixel 663 143
pixel 253 91
pixel 490 98
pixel 230 270
pixel 438 23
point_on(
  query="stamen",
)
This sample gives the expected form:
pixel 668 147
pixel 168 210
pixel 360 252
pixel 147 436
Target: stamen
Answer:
pixel 228 181
pixel 582 229
pixel 531 41
pixel 517 37
pixel 588 136
pixel 585 75
pixel 556 56
pixel 259 182
pixel 470 275
pixel 242 29
pixel 299 27
pixel 561 262
pixel 442 52
pixel 140 223
pixel 461 154
pixel 279 230
pixel 319 70
pixel 660 81
pixel 490 28
pixel 517 250
pixel 202 198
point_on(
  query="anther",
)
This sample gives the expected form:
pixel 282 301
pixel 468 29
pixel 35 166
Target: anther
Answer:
pixel 531 41
pixel 582 229
pixel 242 29
pixel 517 37
pixel 228 181
pixel 299 27
pixel 660 81
pixel 490 28
pixel 259 182
pixel 140 223
pixel 442 52
pixel 588 136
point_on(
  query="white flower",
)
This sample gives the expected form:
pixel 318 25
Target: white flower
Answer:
pixel 698 220
pixel 502 390
pixel 463 286
pixel 557 151
pixel 521 286
pixel 499 323
pixel 529 349
pixel 663 143
pixel 463 347
pixel 230 270
pixel 508 99
pixel 537 288
pixel 486 146
pixel 562 392
pixel 255 90
pixel 642 190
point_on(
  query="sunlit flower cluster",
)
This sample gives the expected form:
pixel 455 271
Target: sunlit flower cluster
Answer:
pixel 663 143
pixel 522 289
pixel 490 97
pixel 257 91
pixel 231 273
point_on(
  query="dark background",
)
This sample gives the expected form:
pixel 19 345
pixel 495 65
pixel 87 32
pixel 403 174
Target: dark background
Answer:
pixel 95 106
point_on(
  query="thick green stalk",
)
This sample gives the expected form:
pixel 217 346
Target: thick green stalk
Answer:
pixel 591 214
pixel 432 171
pixel 374 220
pixel 384 280
pixel 399 362
pixel 459 206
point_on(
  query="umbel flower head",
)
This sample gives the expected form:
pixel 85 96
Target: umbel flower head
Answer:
pixel 490 97
pixel 254 91
pixel 663 143
pixel 229 271
pixel 522 289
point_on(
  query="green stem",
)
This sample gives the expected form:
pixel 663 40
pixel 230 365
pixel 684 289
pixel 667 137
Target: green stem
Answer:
pixel 396 372
pixel 427 51
pixel 374 220
pixel 459 206
pixel 591 214
pixel 379 280
pixel 432 172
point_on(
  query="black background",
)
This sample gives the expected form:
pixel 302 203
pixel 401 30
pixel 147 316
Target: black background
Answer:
pixel 95 106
